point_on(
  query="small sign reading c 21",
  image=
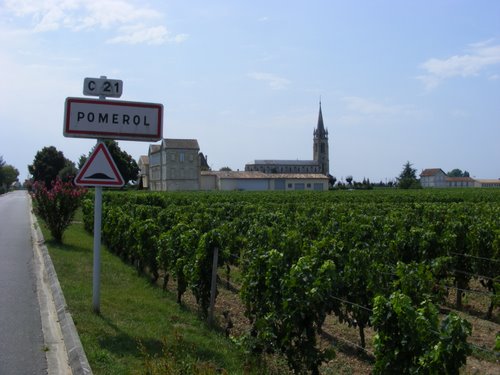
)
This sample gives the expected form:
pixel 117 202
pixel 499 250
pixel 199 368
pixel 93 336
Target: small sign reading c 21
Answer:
pixel 103 87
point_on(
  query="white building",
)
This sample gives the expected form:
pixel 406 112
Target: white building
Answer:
pixel 488 183
pixel 259 181
pixel 174 165
pixel 435 177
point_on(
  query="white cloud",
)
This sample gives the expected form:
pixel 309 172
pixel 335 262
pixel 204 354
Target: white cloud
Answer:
pixel 458 113
pixel 135 22
pixel 150 35
pixel 361 110
pixel 275 82
pixel 366 106
pixel 477 58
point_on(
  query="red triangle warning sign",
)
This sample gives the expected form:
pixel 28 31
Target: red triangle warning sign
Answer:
pixel 99 169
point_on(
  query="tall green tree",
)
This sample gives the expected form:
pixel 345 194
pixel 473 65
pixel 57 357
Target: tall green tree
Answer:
pixel 126 164
pixel 9 175
pixel 47 164
pixel 408 177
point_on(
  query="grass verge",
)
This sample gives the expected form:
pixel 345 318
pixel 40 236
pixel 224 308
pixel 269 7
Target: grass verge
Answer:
pixel 141 329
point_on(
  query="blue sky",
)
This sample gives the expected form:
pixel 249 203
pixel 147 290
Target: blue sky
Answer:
pixel 399 80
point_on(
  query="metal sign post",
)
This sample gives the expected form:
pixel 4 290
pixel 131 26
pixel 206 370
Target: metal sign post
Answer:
pixel 96 278
pixel 99 170
pixel 96 274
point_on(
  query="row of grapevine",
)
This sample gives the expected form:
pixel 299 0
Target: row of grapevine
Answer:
pixel 305 257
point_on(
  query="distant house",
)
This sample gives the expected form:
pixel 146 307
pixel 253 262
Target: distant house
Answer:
pixel 259 181
pixel 436 178
pixel 174 165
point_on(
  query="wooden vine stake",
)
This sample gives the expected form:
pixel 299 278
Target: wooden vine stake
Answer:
pixel 213 286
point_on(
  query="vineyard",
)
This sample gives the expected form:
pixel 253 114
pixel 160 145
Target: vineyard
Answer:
pixel 408 271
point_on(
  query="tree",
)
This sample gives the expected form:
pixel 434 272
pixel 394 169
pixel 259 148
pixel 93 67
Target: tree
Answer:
pixel 349 180
pixel 68 172
pixel 126 164
pixel 81 161
pixel 225 169
pixel 458 173
pixel 9 175
pixel 332 180
pixel 408 177
pixel 455 173
pixel 47 164
pixel 2 163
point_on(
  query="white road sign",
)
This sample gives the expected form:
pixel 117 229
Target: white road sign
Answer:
pixel 99 169
pixel 113 119
pixel 103 87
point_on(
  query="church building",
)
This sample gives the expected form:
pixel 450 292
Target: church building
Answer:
pixel 319 165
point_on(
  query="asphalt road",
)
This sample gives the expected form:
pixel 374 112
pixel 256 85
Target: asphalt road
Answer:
pixel 21 336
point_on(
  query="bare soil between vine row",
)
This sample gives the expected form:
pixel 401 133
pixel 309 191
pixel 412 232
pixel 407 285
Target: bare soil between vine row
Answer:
pixel 350 358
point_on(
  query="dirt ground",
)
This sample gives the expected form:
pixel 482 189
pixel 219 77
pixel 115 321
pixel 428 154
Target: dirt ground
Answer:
pixel 350 357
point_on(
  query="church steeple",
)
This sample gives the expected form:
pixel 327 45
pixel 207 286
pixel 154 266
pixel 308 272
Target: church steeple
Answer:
pixel 320 142
pixel 320 131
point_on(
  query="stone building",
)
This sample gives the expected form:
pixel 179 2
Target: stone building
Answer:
pixel 319 165
pixel 174 165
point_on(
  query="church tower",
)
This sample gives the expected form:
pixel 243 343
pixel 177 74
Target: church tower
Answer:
pixel 320 141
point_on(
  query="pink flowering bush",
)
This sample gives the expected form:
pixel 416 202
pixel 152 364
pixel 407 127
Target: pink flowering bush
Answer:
pixel 58 205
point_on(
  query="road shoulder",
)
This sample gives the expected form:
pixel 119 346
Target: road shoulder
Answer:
pixel 64 351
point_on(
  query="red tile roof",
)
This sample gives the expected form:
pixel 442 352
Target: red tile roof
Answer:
pixel 431 172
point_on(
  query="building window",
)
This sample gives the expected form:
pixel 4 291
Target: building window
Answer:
pixel 172 156
pixel 290 186
pixel 181 157
pixel 308 186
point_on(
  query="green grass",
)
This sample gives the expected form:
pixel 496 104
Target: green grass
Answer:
pixel 141 330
